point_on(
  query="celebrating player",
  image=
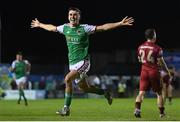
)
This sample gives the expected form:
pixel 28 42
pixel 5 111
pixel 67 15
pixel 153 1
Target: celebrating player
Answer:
pixel 77 39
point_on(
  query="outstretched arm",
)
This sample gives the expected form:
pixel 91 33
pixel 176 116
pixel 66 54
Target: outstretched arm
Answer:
pixel 127 21
pixel 36 24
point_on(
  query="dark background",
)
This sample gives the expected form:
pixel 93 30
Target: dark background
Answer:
pixel 43 47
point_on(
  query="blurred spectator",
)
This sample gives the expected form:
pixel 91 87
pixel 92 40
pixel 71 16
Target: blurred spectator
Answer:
pixel 94 80
pixel 5 79
pixel 129 87
pixel 36 85
pixel 29 85
pixel 105 79
pixel 42 83
pixel 60 85
pixel 115 80
pixel 50 87
pixel 121 88
pixel 2 93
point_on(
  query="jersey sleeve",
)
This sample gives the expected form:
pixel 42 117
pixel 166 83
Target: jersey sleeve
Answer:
pixel 26 62
pixel 89 29
pixel 60 29
pixel 13 64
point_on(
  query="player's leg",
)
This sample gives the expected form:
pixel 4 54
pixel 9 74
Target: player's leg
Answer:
pixel 165 85
pixel 164 92
pixel 144 85
pixel 69 88
pixel 21 92
pixel 86 87
pixel 18 86
pixel 19 100
pixel 160 103
pixel 83 67
pixel 21 85
pixel 24 79
pixel 170 89
pixel 139 100
pixel 157 88
pixel 65 111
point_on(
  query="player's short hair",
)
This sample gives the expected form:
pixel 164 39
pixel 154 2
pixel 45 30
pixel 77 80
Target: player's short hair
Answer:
pixel 149 33
pixel 75 9
pixel 19 53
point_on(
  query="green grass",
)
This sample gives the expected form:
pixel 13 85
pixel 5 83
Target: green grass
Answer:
pixel 86 110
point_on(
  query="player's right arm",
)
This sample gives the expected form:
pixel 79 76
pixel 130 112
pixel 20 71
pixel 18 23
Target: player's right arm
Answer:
pixel 12 68
pixel 37 24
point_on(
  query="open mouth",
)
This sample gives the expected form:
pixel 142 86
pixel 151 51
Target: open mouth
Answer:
pixel 73 20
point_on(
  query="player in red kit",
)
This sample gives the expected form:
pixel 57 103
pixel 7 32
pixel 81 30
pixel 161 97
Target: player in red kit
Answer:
pixel 150 56
pixel 167 83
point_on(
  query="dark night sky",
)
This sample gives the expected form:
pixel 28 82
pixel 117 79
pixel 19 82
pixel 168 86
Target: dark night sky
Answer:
pixel 49 47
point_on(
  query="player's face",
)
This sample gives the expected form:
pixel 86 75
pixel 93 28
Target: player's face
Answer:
pixel 73 17
pixel 19 57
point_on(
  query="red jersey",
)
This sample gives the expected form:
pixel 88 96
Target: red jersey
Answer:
pixel 148 53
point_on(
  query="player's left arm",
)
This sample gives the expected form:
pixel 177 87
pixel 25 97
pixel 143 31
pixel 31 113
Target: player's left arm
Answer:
pixel 126 21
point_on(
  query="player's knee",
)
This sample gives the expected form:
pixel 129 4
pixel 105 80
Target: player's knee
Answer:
pixel 21 86
pixel 141 93
pixel 67 80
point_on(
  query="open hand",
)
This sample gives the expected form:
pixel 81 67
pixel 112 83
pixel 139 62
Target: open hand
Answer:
pixel 35 23
pixel 127 21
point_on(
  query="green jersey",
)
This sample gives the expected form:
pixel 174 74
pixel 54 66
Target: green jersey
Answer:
pixel 77 39
pixel 20 68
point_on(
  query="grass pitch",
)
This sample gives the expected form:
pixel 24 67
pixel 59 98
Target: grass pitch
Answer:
pixel 86 110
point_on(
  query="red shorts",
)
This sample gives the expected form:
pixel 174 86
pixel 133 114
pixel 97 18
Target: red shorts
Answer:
pixel 150 78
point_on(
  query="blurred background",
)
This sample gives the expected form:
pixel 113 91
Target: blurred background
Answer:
pixel 113 53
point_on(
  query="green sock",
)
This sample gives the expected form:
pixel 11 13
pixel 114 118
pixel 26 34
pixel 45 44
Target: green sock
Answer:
pixel 19 96
pixel 95 90
pixel 22 94
pixel 68 98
